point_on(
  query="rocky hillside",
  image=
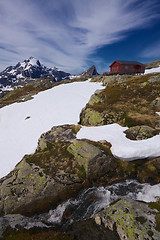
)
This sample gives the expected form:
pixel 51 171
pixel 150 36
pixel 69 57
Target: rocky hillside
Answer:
pixel 129 101
pixel 63 165
pixel 154 64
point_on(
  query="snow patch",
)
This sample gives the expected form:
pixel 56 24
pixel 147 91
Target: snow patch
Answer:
pixel 33 61
pixel 19 76
pixel 23 64
pixel 13 72
pixel 7 88
pixel 152 70
pixel 122 147
pixel 57 106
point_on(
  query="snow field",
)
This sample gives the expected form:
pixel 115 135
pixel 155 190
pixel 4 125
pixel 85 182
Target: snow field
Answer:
pixel 21 124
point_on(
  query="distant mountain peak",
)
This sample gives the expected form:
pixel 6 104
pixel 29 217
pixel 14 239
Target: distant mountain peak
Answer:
pixel 92 71
pixel 30 68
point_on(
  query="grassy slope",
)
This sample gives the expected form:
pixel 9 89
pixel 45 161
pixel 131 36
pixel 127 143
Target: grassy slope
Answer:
pixel 130 101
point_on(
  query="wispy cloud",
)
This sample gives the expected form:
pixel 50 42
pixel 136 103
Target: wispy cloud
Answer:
pixel 152 51
pixel 65 33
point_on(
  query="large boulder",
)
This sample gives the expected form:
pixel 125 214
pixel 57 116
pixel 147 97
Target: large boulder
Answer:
pixel 65 133
pixel 140 132
pixel 28 190
pixel 131 219
pixel 92 159
pixel 42 179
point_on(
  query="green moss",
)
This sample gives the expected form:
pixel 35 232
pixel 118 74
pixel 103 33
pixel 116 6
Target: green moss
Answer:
pixel 92 117
pixel 129 230
pixel 95 99
pixel 75 149
pixel 144 84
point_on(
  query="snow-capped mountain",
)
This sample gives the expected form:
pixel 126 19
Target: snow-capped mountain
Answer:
pixel 28 69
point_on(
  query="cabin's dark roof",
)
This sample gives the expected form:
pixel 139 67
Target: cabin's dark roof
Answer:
pixel 129 62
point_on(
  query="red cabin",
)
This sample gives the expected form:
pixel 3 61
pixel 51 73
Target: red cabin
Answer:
pixel 126 67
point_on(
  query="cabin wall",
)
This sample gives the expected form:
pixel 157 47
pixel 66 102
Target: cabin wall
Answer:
pixel 126 68
pixel 116 68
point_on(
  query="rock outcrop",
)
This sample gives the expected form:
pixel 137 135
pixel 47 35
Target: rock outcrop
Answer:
pixel 154 64
pixel 127 100
pixel 57 170
pixel 92 71
pixel 131 219
pixel 140 132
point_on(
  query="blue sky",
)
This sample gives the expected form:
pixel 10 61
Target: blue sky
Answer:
pixel 75 34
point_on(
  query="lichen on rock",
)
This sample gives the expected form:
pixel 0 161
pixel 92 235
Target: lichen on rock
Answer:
pixel 91 117
pixel 131 219
pixel 84 153
pixel 140 132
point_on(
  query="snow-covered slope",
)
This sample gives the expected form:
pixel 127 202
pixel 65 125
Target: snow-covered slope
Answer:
pixel 30 68
pixel 152 70
pixel 21 124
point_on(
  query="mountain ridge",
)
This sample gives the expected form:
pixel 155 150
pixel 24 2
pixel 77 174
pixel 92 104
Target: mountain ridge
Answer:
pixel 28 69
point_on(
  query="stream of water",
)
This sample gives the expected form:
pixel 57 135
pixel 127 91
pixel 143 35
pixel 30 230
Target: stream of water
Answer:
pixel 96 198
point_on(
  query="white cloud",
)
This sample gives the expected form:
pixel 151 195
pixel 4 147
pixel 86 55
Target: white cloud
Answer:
pixel 66 33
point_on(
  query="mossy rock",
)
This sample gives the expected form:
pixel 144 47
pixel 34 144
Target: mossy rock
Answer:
pixel 140 132
pixel 91 117
pixel 95 98
pixel 84 152
pixel 95 158
pixel 46 178
pixel 131 219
